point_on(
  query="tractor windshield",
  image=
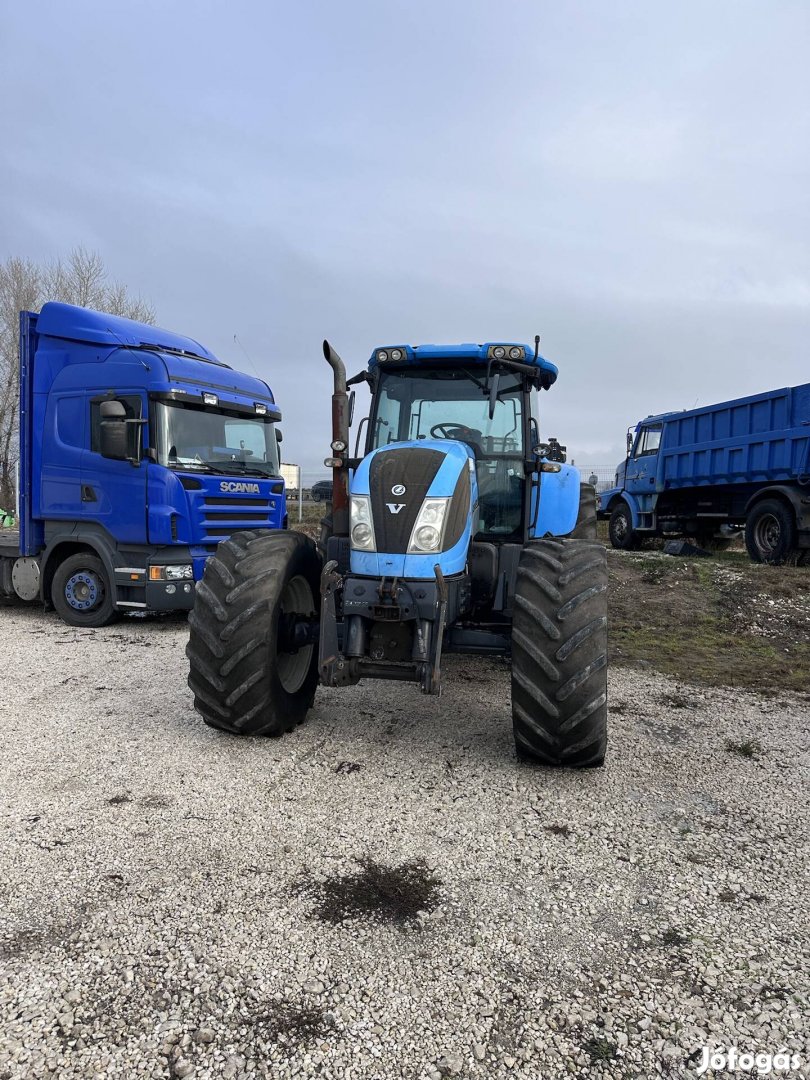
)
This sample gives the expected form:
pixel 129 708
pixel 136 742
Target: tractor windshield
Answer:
pixel 453 403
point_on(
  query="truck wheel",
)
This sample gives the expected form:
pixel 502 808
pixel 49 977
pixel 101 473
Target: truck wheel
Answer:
pixel 247 675
pixel 81 592
pixel 622 534
pixel 770 532
pixel 559 653
pixel 585 528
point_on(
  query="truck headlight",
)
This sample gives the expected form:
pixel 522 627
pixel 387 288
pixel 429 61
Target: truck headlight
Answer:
pixel 428 530
pixel 172 572
pixel 361 526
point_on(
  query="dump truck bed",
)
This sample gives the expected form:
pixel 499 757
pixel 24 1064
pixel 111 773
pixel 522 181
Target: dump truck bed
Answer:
pixel 760 439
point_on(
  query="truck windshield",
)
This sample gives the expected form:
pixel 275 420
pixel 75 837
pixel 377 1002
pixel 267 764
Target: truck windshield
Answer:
pixel 192 437
pixel 449 403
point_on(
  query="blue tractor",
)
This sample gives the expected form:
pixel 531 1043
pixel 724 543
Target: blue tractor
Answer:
pixel 458 531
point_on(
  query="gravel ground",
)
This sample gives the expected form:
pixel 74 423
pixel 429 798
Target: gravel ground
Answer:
pixel 172 898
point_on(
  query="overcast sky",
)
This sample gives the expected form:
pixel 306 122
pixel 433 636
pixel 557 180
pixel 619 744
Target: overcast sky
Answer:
pixel 630 180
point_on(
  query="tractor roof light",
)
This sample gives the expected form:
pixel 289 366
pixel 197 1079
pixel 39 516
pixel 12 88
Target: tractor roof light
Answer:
pixel 516 353
pixel 396 354
pixel 382 355
pixel 499 352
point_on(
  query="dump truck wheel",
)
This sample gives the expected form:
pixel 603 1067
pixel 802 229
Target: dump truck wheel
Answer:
pixel 559 653
pixel 81 593
pixel 585 528
pixel 247 676
pixel 622 534
pixel 770 532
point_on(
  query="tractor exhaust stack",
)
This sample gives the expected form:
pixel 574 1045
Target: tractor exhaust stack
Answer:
pixel 340 444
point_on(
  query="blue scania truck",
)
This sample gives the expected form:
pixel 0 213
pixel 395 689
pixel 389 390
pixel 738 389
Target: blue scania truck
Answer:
pixel 139 452
pixel 743 463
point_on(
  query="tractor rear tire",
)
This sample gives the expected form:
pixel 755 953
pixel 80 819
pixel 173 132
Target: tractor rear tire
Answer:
pixel 559 654
pixel 585 528
pixel 244 677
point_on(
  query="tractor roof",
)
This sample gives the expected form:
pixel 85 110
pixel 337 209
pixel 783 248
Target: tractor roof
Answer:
pixel 467 352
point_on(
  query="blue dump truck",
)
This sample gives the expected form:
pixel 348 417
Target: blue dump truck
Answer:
pixel 460 530
pixel 742 463
pixel 139 452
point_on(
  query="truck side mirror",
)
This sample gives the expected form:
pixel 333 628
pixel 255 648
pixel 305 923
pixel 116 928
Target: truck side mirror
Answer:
pixel 279 435
pixel 629 442
pixel 114 432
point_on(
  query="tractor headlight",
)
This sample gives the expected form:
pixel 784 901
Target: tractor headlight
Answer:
pixel 361 526
pixel 428 531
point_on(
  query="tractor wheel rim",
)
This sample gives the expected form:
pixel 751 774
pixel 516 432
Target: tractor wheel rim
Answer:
pixel 293 667
pixel 83 591
pixel 768 534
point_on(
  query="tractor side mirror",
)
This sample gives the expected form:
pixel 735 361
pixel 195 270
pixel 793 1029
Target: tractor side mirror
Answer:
pixel 279 435
pixel 113 431
pixel 351 407
pixel 493 393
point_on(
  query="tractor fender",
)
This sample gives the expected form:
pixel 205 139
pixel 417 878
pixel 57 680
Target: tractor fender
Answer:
pixel 558 494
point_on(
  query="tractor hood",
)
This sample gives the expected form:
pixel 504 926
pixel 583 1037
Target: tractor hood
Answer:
pixel 420 499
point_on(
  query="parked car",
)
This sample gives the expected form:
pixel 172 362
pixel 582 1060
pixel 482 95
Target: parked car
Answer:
pixel 322 491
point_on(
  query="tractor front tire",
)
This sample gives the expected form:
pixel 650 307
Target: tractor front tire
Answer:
pixel 559 654
pixel 585 528
pixel 246 676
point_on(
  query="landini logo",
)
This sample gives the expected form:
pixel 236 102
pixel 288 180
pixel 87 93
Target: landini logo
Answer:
pixel 233 487
pixel 733 1061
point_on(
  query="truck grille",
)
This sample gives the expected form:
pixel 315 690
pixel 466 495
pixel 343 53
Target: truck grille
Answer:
pixel 223 516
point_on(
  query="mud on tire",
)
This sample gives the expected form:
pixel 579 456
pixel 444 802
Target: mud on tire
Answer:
pixel 245 678
pixel 559 653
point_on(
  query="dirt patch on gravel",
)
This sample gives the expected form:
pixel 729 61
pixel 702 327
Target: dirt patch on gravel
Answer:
pixel 388 894
pixel 293 1024
pixel 722 621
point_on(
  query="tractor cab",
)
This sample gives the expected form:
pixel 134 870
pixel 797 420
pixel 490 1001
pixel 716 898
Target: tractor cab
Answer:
pixel 478 395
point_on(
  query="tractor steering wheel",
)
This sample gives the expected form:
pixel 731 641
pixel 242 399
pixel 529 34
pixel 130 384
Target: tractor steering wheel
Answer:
pixel 451 431
pixel 461 433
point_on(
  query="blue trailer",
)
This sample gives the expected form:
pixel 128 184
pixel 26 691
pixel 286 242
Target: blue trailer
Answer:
pixel 742 463
pixel 139 452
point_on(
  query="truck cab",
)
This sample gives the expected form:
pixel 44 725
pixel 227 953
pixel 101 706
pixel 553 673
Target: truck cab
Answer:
pixel 139 452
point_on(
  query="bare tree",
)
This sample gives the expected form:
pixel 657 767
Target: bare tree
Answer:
pixel 80 279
